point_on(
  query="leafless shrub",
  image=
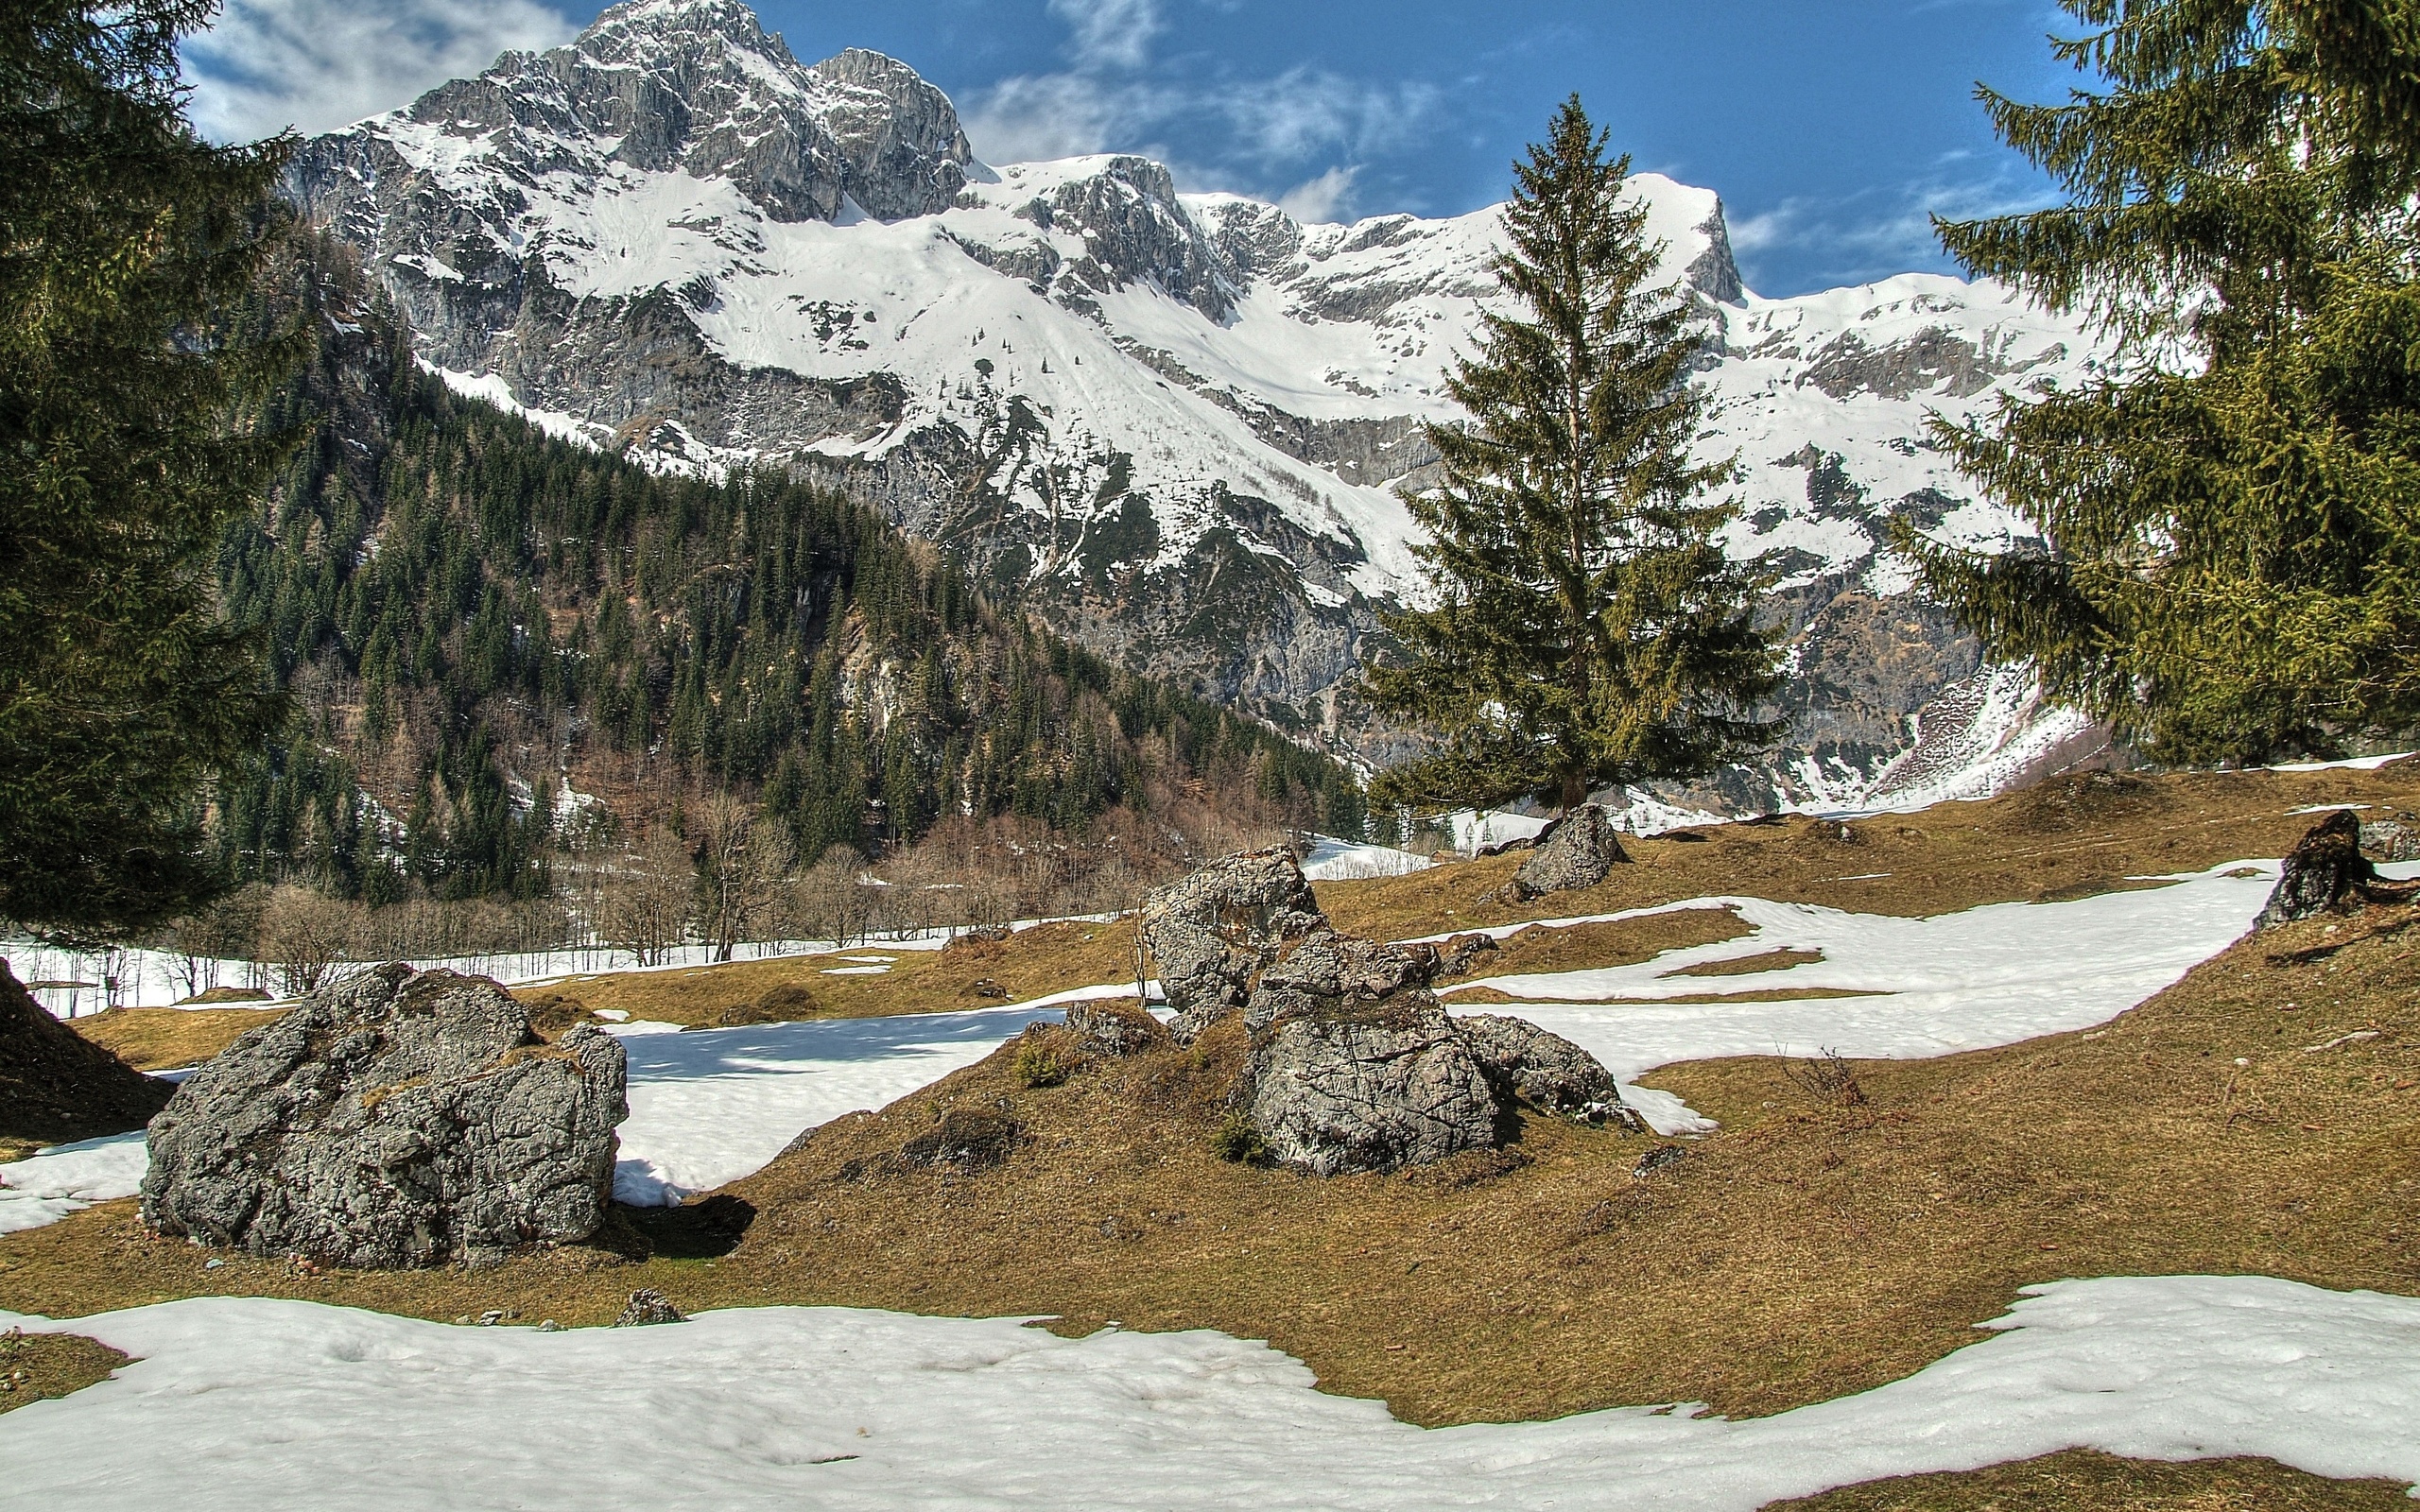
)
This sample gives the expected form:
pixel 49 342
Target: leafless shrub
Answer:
pixel 303 935
pixel 644 907
pixel 1826 1078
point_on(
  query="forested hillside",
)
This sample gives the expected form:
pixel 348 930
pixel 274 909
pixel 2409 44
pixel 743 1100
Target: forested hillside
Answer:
pixel 504 647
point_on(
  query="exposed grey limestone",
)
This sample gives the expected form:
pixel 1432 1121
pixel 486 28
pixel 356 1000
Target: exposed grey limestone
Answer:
pixel 1114 1028
pixel 1545 1069
pixel 1463 955
pixel 1324 970
pixel 646 1308
pixel 1369 1086
pixel 1577 851
pixel 2390 840
pixel 399 1119
pixel 1212 933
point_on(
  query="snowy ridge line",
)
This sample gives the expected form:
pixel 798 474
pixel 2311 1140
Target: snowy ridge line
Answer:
pixel 861 1410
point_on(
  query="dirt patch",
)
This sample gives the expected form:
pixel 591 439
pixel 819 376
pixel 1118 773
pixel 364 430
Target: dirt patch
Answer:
pixel 55 1086
pixel 37 1366
pixel 2087 1480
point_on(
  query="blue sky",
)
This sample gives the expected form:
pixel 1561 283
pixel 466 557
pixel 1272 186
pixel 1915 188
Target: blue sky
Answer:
pixel 1829 126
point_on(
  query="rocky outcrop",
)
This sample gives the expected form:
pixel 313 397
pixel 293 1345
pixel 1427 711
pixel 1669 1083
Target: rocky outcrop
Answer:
pixel 647 1307
pixel 56 1085
pixel 1521 1061
pixel 2323 869
pixel 401 1118
pixel 1353 1064
pixel 1114 1029
pixel 1212 933
pixel 1359 1086
pixel 1324 970
pixel 1574 852
pixel 2390 840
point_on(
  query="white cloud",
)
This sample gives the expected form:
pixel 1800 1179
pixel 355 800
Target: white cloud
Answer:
pixel 1873 235
pixel 1318 201
pixel 321 64
pixel 1110 33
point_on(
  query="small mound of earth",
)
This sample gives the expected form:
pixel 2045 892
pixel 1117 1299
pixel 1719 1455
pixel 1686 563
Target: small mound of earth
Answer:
pixel 401 1118
pixel 55 1086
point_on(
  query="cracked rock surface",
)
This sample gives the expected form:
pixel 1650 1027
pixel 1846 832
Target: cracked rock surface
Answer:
pixel 401 1118
pixel 1214 932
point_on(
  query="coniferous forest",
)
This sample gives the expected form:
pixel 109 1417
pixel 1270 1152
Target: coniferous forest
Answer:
pixel 501 648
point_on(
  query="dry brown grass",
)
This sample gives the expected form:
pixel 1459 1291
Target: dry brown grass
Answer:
pixel 1802 1253
pixel 1036 961
pixel 165 1039
pixel 38 1366
pixel 1781 959
pixel 2067 839
pixel 2085 1480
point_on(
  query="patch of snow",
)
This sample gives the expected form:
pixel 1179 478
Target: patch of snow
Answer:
pixel 2356 764
pixel 265 1403
pixel 1335 860
pixel 65 1177
pixel 1988 976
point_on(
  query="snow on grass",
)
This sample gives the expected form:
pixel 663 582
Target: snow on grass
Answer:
pixel 1989 976
pixel 712 1105
pixel 66 1178
pixel 1335 860
pixel 251 1402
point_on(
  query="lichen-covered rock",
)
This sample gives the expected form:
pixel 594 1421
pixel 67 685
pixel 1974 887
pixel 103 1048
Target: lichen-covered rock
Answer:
pixel 2390 840
pixel 1369 1086
pixel 1545 1069
pixel 1325 970
pixel 647 1307
pixel 2323 869
pixel 400 1119
pixel 1114 1028
pixel 1213 932
pixel 1463 955
pixel 1574 852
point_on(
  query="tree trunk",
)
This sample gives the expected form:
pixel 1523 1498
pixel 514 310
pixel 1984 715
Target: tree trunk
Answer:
pixel 1574 790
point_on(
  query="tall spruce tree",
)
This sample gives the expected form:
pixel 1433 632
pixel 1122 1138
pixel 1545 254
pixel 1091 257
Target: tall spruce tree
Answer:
pixel 2233 516
pixel 125 451
pixel 1586 627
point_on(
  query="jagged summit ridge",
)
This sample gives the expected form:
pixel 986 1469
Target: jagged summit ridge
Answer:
pixel 1174 423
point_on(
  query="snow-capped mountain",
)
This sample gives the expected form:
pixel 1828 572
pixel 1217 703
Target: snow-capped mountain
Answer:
pixel 1175 421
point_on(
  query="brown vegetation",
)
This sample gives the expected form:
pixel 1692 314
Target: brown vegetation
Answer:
pixel 2084 1480
pixel 36 1365
pixel 1809 1250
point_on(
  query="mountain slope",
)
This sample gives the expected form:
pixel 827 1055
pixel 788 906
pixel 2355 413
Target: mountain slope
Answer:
pixel 1172 423
pixel 505 646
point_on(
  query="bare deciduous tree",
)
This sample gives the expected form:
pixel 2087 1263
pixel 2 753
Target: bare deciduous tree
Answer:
pixel 303 935
pixel 643 907
pixel 742 864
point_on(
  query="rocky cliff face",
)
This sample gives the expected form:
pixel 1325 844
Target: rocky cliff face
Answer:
pixel 1172 422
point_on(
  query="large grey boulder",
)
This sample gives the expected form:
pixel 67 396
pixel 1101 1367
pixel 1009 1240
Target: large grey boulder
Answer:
pixel 1574 852
pixel 2324 869
pixel 400 1119
pixel 1325 970
pixel 1369 1086
pixel 1212 933
pixel 1544 1069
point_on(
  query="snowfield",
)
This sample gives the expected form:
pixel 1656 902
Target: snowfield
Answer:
pixel 247 1404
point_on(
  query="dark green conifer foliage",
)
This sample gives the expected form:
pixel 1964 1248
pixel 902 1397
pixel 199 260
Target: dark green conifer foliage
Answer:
pixel 1587 627
pixel 2234 514
pixel 125 450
